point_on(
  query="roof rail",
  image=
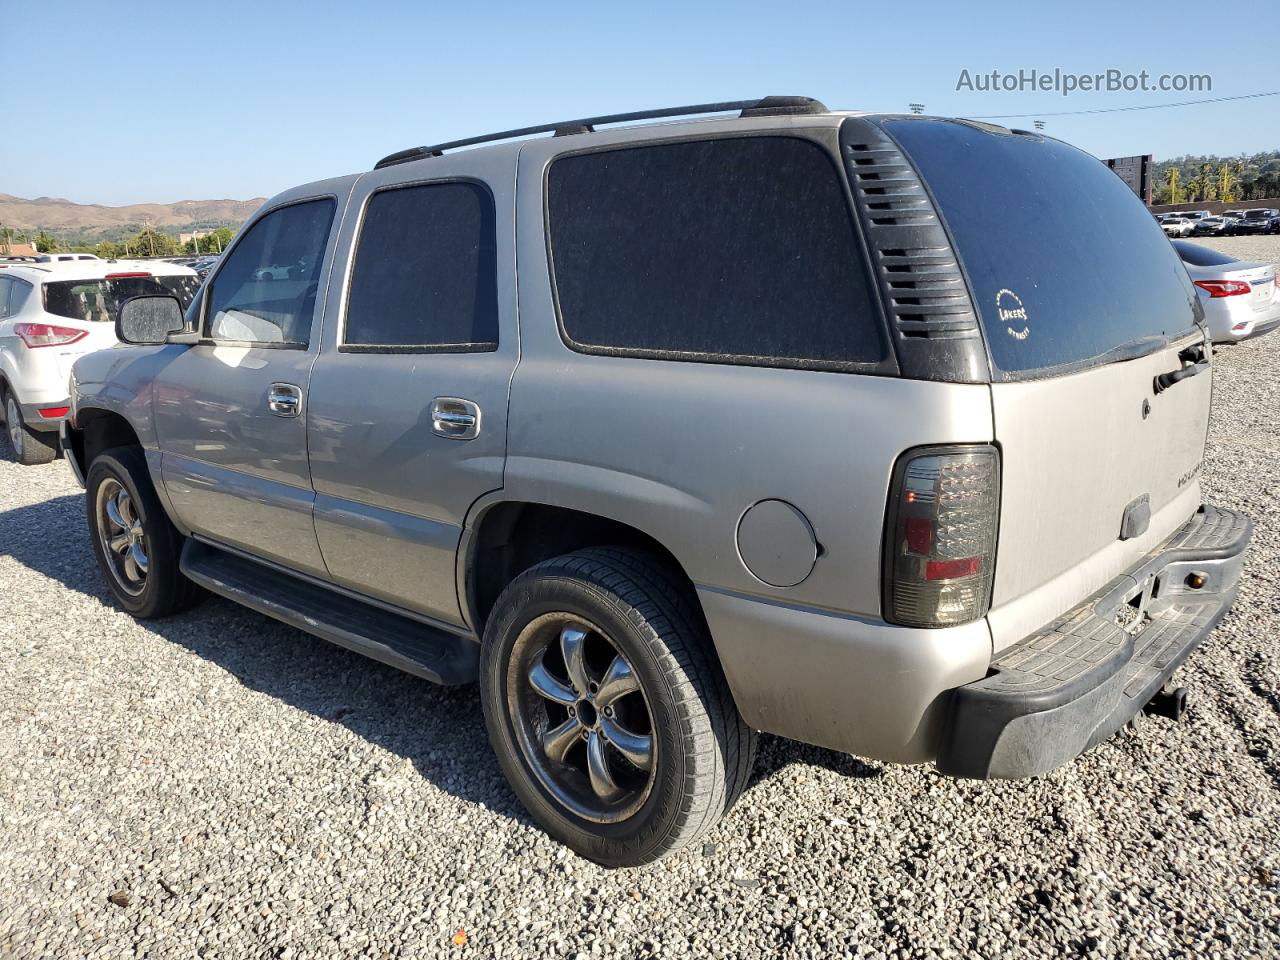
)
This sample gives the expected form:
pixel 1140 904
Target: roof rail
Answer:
pixel 765 107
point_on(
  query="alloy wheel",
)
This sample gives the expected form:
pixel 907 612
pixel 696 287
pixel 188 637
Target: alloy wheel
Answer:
pixel 581 718
pixel 124 544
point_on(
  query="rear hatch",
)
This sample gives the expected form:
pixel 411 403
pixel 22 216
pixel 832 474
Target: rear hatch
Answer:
pixel 1083 304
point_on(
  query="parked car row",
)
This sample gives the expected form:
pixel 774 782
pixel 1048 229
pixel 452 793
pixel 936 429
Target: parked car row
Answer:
pixel 1229 223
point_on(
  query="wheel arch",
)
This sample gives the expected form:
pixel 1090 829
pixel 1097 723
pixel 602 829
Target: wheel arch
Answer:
pixel 504 537
pixel 97 430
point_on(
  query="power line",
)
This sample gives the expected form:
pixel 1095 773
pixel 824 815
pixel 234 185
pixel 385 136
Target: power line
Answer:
pixel 1149 106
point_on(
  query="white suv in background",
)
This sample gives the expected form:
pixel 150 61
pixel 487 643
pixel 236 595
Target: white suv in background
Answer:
pixel 53 312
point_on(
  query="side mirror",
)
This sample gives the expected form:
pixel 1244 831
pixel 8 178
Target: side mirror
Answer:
pixel 148 320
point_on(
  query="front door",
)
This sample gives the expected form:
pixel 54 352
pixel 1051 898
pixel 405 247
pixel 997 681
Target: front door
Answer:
pixel 231 410
pixel 407 423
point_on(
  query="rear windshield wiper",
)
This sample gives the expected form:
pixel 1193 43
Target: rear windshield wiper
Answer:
pixel 1195 359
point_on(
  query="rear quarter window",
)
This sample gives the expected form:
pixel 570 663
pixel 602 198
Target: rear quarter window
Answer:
pixel 738 250
pixel 1063 260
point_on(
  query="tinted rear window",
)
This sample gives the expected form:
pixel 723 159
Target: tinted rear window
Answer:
pixel 1063 259
pixel 1199 256
pixel 730 250
pixel 98 300
pixel 425 270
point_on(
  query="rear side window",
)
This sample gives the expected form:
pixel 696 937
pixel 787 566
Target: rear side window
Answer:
pixel 265 292
pixel 425 272
pixel 4 298
pixel 729 250
pixel 19 290
pixel 1064 261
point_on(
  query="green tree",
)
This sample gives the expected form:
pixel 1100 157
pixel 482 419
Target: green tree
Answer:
pixel 46 243
pixel 214 242
pixel 149 243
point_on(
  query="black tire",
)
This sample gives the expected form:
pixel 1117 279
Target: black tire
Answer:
pixel 30 447
pixel 704 751
pixel 164 589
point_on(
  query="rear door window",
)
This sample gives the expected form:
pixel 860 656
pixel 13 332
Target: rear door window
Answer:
pixel 738 250
pixel 425 272
pixel 1063 259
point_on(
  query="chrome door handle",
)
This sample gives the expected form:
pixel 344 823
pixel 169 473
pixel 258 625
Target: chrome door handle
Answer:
pixel 284 399
pixel 455 418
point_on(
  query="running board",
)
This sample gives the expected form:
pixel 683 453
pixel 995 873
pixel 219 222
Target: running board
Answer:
pixel 381 634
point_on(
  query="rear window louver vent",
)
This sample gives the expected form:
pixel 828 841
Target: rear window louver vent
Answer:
pixel 936 331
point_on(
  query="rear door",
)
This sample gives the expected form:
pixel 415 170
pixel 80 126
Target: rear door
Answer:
pixel 230 411
pixel 1083 303
pixel 408 418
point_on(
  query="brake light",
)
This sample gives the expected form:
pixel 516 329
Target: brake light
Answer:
pixel 52 413
pixel 47 335
pixel 128 273
pixel 1223 288
pixel 944 505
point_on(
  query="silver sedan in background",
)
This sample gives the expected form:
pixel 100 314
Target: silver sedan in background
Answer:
pixel 1239 296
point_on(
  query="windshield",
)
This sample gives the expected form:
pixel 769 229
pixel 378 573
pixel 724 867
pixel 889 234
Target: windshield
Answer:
pixel 97 301
pixel 1063 259
pixel 1256 214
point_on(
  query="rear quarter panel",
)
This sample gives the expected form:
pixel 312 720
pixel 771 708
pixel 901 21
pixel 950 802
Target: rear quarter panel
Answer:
pixel 681 449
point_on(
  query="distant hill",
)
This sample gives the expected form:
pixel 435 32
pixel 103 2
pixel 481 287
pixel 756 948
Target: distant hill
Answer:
pixel 73 223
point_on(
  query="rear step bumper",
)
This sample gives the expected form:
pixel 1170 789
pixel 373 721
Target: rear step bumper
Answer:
pixel 1057 693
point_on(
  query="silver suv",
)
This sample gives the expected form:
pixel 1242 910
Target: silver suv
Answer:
pixel 816 423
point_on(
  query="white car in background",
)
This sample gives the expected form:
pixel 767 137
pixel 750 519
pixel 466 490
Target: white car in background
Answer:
pixel 1178 226
pixel 52 312
pixel 1239 296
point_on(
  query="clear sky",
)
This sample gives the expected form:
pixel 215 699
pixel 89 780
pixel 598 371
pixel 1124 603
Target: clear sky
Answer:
pixel 134 102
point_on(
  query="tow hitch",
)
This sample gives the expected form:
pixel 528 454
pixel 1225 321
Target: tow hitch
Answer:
pixel 1170 702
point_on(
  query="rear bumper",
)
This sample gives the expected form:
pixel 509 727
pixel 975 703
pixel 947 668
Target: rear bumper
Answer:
pixel 1056 694
pixel 36 420
pixel 1265 327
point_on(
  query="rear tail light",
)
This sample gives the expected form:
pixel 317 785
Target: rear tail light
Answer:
pixel 47 335
pixel 940 542
pixel 1223 288
pixel 52 413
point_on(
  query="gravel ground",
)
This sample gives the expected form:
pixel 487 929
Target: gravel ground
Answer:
pixel 217 785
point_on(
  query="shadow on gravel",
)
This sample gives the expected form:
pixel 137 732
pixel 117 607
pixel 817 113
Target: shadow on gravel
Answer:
pixel 440 730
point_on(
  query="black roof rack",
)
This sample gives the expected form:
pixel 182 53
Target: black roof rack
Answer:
pixel 766 107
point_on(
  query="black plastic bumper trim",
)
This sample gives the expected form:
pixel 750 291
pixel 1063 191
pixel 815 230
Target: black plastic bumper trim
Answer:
pixel 1066 688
